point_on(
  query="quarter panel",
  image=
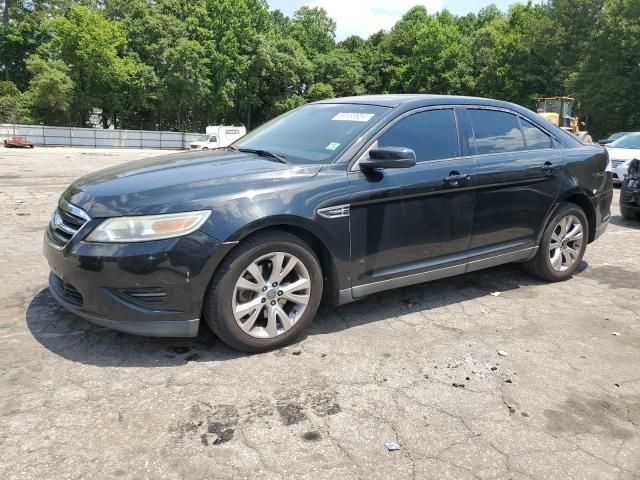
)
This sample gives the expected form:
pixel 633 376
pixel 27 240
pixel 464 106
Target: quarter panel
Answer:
pixel 584 169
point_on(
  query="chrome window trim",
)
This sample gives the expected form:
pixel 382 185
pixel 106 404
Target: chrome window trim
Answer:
pixel 511 153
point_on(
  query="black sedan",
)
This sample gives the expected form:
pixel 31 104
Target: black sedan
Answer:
pixel 630 192
pixel 330 202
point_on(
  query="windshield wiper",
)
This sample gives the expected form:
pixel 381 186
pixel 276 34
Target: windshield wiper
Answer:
pixel 263 153
pixel 228 148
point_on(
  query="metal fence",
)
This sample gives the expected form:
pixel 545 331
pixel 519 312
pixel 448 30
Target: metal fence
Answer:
pixel 94 137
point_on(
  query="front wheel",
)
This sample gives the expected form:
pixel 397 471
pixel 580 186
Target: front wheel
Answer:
pixel 265 293
pixel 563 244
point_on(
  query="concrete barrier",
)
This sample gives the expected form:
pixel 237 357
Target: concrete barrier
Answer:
pixel 97 138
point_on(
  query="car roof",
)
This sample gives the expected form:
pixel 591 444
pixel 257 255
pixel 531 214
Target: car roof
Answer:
pixel 628 134
pixel 416 100
pixel 406 102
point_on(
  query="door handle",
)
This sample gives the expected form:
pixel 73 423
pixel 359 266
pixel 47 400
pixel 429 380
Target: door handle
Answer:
pixel 455 179
pixel 549 167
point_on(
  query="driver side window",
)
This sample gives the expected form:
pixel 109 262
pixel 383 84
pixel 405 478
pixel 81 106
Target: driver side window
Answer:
pixel 432 135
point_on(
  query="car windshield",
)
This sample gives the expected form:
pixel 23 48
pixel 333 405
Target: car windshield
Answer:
pixel 628 141
pixel 315 133
pixel 203 138
pixel 616 136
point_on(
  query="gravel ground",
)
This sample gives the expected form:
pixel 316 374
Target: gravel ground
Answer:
pixel 417 366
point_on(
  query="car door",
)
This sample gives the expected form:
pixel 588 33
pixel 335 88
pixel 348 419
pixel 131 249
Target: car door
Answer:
pixel 519 175
pixel 413 224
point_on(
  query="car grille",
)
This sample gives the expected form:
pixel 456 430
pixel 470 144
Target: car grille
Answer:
pixel 65 222
pixel 617 163
pixel 68 291
pixel 147 297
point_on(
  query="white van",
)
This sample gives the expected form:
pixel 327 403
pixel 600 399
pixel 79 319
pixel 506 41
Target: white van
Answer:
pixel 218 136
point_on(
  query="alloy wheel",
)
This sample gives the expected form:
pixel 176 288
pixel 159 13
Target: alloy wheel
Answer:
pixel 271 295
pixel 566 243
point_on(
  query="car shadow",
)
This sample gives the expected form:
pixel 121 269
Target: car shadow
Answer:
pixel 621 222
pixel 76 339
pixel 509 281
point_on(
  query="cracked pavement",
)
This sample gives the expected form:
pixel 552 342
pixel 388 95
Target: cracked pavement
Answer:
pixel 417 366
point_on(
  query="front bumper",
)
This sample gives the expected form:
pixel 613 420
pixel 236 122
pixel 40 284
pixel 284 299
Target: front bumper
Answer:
pixel 150 288
pixel 619 173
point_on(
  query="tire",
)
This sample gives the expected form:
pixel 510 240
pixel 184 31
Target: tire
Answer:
pixel 226 291
pixel 629 214
pixel 542 265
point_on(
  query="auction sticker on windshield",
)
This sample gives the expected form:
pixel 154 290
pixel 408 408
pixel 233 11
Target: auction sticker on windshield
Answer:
pixel 353 117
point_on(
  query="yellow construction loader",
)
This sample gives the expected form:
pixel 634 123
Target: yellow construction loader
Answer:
pixel 558 110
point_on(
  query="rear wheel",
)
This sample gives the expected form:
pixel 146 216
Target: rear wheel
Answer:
pixel 563 244
pixel 265 293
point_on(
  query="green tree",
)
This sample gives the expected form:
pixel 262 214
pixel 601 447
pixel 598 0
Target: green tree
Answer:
pixel 342 71
pixel 277 73
pixel 513 57
pixel 608 81
pixel 22 31
pixel 319 91
pixel 12 104
pixel 575 26
pixel 440 61
pixel 314 30
pixel 95 48
pixel 50 92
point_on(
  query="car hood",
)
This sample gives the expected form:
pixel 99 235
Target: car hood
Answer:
pixel 178 182
pixel 623 153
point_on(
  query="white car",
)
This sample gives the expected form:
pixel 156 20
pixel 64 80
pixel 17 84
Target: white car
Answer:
pixel 621 152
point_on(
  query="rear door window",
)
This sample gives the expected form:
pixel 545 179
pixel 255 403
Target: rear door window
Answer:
pixel 535 138
pixel 495 132
pixel 431 134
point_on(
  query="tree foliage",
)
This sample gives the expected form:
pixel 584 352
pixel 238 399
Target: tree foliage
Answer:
pixel 167 64
pixel 12 104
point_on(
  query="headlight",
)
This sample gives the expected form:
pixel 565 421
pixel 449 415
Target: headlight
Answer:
pixel 150 227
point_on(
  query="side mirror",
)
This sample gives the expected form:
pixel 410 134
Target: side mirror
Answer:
pixel 389 157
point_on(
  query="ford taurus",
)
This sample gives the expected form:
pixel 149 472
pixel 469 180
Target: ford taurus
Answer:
pixel 330 202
